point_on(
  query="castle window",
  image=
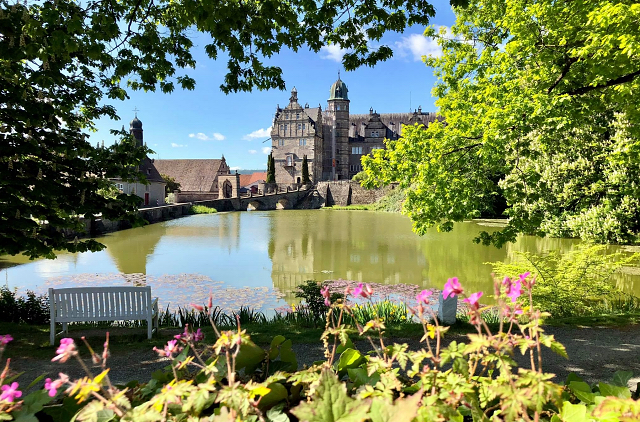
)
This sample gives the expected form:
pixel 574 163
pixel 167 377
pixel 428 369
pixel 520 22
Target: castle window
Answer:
pixel 337 106
pixel 289 160
pixel 281 127
pixel 355 168
pixel 375 133
pixel 280 142
pixel 297 115
pixel 356 150
pixel 299 126
pixel 303 142
pixel 304 126
pixel 285 127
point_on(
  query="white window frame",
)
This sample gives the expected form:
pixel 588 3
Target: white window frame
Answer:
pixel 302 142
pixel 280 142
pixel 356 150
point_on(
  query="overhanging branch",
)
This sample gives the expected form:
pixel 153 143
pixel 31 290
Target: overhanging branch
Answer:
pixel 621 80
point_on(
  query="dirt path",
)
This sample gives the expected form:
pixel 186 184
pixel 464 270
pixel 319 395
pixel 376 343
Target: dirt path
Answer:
pixel 594 354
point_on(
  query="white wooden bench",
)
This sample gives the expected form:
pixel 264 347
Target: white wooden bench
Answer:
pixel 119 303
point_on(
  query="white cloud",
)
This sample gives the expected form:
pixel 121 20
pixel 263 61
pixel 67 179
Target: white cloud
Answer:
pixel 418 46
pixel 204 137
pixel 258 134
pixel 174 145
pixel 266 150
pixel 252 151
pixel 333 52
pixel 235 168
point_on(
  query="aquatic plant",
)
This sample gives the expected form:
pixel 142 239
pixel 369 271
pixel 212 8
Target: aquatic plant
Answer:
pixel 202 209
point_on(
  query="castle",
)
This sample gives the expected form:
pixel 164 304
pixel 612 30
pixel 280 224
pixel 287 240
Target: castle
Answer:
pixel 333 140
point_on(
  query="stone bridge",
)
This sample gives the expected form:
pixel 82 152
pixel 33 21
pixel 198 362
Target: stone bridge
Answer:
pixel 260 202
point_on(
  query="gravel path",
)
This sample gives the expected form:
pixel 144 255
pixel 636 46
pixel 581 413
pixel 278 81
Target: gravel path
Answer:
pixel 594 354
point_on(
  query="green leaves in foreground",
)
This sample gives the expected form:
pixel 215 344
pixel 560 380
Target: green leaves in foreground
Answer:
pixel 330 402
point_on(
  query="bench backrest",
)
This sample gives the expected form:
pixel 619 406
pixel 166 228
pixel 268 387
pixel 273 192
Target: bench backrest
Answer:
pixel 100 303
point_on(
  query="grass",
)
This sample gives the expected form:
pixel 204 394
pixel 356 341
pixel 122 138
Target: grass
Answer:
pixel 201 209
pixel 350 207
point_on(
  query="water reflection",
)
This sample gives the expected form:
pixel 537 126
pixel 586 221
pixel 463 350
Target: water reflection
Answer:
pixel 279 250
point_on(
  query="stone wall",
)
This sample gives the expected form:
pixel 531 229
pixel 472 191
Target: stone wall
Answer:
pixel 195 196
pixel 348 192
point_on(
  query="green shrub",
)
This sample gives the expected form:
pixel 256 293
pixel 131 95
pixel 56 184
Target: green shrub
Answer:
pixel 391 202
pixel 233 379
pixel 31 309
pixel 201 209
pixel 576 283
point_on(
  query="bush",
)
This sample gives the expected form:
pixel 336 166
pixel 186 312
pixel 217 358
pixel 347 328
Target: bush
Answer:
pixel 235 380
pixel 31 309
pixel 201 209
pixel 577 283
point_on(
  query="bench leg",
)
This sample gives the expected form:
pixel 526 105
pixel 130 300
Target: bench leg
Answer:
pixel 65 328
pixel 52 333
pixel 149 327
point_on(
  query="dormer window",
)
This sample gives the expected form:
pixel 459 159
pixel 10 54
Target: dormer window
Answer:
pixel 148 172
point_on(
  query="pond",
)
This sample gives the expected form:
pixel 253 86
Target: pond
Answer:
pixel 258 258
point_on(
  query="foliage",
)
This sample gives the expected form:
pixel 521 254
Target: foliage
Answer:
pixel 576 283
pixel 305 171
pixel 359 177
pixel 386 311
pixel 31 309
pixel 349 207
pixel 391 202
pixel 63 61
pixel 311 292
pixel 202 209
pixel 540 105
pixel 233 379
pixel 171 184
pixel 171 198
pixel 271 169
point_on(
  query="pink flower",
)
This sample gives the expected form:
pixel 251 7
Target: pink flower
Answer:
pixel 423 296
pixel 66 350
pixel 326 295
pixel 5 339
pixel 506 281
pixel 473 300
pixel 514 290
pixel 10 392
pixel 169 349
pixel 362 290
pixel 197 307
pixel 451 288
pixel 198 335
pixel 53 386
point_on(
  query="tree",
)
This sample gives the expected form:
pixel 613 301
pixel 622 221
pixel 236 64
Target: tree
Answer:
pixel 171 185
pixel 539 101
pixel 305 171
pixel 62 61
pixel 271 169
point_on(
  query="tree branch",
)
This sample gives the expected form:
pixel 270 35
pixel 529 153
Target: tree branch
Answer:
pixel 621 80
pixel 465 148
pixel 565 70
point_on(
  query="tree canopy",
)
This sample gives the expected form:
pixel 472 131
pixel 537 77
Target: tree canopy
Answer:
pixel 62 61
pixel 538 102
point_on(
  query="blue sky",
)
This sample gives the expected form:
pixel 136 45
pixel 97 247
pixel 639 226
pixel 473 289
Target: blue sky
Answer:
pixel 206 123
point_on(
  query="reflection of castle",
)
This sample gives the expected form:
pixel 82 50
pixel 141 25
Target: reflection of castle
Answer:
pixel 350 245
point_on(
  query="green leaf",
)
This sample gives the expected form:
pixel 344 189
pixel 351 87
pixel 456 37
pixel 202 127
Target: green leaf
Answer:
pixel 276 414
pixel 277 394
pixel 64 412
pixel 350 358
pixel 614 390
pixel 249 357
pixel 32 404
pixel 402 410
pixel 582 391
pixel 573 412
pixel 621 378
pixel 330 402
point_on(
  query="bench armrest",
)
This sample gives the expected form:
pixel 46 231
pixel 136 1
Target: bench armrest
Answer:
pixel 154 306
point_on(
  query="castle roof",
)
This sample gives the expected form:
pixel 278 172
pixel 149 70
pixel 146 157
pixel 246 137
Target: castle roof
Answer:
pixel 148 168
pixel 135 123
pixel 248 179
pixel 339 91
pixel 194 175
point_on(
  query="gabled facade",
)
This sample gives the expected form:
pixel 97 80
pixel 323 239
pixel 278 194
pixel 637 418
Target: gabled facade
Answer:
pixel 333 139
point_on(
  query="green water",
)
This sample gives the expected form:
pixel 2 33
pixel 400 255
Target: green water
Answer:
pixel 257 258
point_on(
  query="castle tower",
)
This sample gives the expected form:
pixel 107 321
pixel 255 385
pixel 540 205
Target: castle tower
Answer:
pixel 135 128
pixel 337 150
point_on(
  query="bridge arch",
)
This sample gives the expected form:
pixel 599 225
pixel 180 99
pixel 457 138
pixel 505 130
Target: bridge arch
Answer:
pixel 283 204
pixel 254 206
